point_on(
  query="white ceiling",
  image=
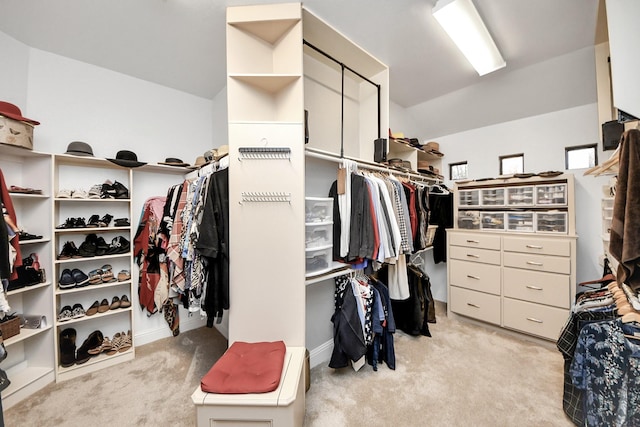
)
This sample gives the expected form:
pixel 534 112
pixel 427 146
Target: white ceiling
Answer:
pixel 181 43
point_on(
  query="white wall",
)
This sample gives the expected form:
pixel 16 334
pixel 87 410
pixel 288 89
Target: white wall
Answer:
pixel 75 101
pixel 542 139
pixel 14 72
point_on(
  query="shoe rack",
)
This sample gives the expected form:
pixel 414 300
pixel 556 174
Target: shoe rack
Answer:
pixel 77 175
pixel 30 363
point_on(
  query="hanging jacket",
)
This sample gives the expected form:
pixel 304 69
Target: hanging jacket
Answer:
pixel 348 337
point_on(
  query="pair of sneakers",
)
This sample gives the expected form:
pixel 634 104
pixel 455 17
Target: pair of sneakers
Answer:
pixel 73 278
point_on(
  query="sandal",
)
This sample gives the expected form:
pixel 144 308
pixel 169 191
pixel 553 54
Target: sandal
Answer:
pixel 126 341
pixel 115 344
pixel 107 274
pixel 124 275
pixel 95 276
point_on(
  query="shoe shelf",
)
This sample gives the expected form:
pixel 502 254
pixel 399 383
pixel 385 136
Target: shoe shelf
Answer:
pixel 112 185
pixel 59 291
pixel 93 258
pixel 96 316
pixel 25 334
pixel 95 230
pixel 31 288
pixel 96 362
pixel 30 363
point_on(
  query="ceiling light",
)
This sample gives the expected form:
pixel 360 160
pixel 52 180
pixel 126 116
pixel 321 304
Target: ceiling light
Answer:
pixel 461 21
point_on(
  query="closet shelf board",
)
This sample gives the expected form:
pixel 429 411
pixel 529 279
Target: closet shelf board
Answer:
pixel 34 241
pixel 24 335
pixel 64 199
pixel 90 288
pixel 89 230
pixel 270 83
pixel 98 362
pixel 74 260
pixel 28 196
pixel 21 377
pixel 95 316
pixel 28 288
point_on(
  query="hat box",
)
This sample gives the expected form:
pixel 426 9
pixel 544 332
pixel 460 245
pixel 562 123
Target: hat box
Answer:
pixel 14 132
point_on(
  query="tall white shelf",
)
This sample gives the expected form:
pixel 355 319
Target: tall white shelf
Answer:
pixel 30 363
pixel 75 172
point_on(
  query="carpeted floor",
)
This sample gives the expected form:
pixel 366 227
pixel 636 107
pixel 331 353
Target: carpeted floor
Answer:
pixel 464 375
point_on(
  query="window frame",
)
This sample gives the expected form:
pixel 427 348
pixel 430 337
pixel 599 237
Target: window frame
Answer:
pixel 510 156
pixel 580 147
pixel 452 165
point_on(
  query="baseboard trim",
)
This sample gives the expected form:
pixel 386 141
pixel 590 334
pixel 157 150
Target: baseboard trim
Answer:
pixel 321 354
pixel 149 336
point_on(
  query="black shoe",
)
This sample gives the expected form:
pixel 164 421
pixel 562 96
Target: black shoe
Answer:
pixel 66 279
pixel 67 347
pixel 89 248
pixel 119 245
pixel 68 223
pixel 69 250
pixel 121 222
pixel 122 192
pixel 105 220
pixel 79 278
pixel 79 223
pixel 23 235
pixel 94 221
pixel 93 341
pixel 101 246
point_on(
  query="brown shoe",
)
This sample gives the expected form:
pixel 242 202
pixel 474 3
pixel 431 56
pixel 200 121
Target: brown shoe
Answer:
pixel 104 306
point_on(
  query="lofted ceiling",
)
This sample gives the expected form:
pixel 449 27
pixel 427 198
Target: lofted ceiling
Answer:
pixel 181 43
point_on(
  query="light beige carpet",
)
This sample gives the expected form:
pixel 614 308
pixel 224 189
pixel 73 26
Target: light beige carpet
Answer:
pixel 463 376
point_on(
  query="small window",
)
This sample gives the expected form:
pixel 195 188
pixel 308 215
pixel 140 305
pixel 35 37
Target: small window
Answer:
pixel 458 171
pixel 581 156
pixel 513 163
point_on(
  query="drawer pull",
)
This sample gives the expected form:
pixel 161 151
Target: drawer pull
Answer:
pixel 473 256
pixel 473 277
pixel 473 241
pixel 533 319
pixel 472 305
pixel 534 247
pixel 539 264
pixel 535 288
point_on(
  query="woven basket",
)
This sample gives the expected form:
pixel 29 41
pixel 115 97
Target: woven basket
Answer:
pixel 10 328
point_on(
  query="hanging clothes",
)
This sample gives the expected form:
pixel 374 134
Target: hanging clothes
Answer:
pixel 384 326
pixel 348 335
pixel 149 252
pixel 10 247
pixel 213 244
pixel 441 214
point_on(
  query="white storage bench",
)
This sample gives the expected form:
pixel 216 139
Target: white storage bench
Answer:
pixel 283 407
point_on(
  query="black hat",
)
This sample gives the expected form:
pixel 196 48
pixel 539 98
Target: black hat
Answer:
pixel 127 159
pixel 172 161
pixel 79 148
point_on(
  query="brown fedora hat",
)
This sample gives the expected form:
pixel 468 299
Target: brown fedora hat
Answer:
pixel 173 161
pixel 79 148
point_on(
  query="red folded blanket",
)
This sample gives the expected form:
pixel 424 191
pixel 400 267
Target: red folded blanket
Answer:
pixel 246 368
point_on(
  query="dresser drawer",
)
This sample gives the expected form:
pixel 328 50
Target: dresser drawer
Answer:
pixel 538 287
pixel 474 255
pixel 533 245
pixel 474 240
pixel 549 264
pixel 535 319
pixel 475 304
pixel 475 276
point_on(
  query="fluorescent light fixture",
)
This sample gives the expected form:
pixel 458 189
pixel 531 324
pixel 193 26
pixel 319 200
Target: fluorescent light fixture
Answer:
pixel 463 24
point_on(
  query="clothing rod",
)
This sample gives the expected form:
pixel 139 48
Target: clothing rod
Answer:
pixel 365 165
pixel 342 64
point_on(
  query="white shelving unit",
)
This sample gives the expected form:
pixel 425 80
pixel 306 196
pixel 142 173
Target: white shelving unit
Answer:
pixel 73 173
pixel 30 363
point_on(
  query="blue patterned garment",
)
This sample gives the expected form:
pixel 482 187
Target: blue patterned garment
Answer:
pixel 606 366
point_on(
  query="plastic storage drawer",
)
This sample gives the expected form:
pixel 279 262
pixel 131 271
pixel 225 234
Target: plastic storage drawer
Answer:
pixel 551 195
pixel 318 209
pixel 469 197
pixel 319 235
pixel 492 221
pixel 520 221
pixel 551 222
pixel 520 196
pixel 492 197
pixel 317 260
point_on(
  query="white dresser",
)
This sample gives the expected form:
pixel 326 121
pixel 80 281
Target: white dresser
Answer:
pixel 520 280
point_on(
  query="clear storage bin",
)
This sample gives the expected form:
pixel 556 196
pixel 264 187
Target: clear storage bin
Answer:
pixel 520 196
pixel 469 220
pixel 492 221
pixel 492 197
pixel 520 221
pixel 552 194
pixel 318 209
pixel 551 222
pixel 318 235
pixel 318 260
pixel 469 197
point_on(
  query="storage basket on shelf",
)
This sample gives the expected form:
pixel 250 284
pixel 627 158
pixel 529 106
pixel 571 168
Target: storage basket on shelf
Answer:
pixel 10 327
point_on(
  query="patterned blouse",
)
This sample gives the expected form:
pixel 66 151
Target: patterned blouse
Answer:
pixel 606 366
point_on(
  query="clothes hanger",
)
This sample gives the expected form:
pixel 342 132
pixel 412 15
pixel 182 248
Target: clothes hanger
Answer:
pixel 632 316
